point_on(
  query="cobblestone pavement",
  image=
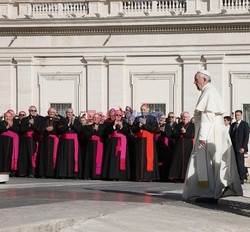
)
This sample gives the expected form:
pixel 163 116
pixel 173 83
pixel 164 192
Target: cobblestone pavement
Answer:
pixel 31 204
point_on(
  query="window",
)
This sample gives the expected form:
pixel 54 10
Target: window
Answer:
pixel 61 107
pixel 157 107
pixel 246 113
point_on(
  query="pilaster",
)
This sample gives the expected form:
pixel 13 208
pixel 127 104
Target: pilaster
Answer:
pixel 25 83
pixel 214 64
pixel 189 92
pixel 95 83
pixel 7 86
pixel 116 82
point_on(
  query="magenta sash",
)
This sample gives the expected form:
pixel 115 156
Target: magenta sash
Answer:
pixel 15 153
pixel 56 141
pixel 157 136
pixel 34 135
pixel 76 145
pixel 121 146
pixel 99 154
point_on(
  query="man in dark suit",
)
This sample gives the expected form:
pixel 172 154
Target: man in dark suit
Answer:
pixel 170 122
pixel 239 133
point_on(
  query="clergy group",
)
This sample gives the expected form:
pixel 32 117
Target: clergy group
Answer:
pixel 119 146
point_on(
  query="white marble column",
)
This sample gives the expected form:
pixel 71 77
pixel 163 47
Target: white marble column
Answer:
pixel 7 86
pixel 116 82
pixel 27 91
pixel 96 80
pixel 190 93
pixel 214 64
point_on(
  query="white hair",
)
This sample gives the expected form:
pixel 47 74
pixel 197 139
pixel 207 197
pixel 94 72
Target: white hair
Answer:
pixel 205 74
pixel 185 112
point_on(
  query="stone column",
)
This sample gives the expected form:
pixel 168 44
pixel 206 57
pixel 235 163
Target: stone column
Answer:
pixel 7 86
pixel 26 88
pixel 116 95
pixel 189 92
pixel 95 83
pixel 214 64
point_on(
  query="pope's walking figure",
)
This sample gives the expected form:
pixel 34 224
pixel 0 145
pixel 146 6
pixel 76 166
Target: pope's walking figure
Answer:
pixel 212 171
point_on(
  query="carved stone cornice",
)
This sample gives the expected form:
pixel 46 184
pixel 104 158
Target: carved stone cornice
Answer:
pixel 115 60
pixel 24 61
pixel 190 59
pixel 178 29
pixel 214 58
pixel 94 60
pixel 5 61
pixel 187 25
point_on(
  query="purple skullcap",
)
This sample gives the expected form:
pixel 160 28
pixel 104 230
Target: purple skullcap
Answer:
pixel 10 111
pixel 112 110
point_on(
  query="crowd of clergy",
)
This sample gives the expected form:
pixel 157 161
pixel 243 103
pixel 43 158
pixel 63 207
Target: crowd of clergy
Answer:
pixel 116 146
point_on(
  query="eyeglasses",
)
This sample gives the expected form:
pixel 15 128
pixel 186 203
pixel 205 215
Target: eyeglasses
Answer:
pixel 171 116
pixel 118 115
pixel 32 110
pixel 21 114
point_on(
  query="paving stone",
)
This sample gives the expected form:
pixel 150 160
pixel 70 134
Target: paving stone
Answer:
pixel 64 205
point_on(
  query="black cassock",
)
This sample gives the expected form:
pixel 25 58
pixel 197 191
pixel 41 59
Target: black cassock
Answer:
pixel 48 150
pixel 164 151
pixel 183 148
pixel 68 149
pixel 29 146
pixel 142 173
pixel 116 164
pixel 131 146
pixel 7 146
pixel 83 142
pixel 95 151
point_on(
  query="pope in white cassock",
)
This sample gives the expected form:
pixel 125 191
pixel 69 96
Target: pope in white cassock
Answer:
pixel 212 171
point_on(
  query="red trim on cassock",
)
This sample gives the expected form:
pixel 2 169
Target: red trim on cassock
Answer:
pixel 149 148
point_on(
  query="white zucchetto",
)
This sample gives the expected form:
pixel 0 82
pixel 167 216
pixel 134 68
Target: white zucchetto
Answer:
pixel 205 72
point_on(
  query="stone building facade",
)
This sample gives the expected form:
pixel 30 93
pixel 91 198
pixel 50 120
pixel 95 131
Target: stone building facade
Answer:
pixel 94 55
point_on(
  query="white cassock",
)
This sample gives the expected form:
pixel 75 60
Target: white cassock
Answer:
pixel 213 167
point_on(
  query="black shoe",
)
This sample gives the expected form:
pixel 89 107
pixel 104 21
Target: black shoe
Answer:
pixel 207 200
pixel 12 174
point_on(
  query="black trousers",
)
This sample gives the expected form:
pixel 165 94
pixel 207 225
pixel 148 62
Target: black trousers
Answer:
pixel 240 160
